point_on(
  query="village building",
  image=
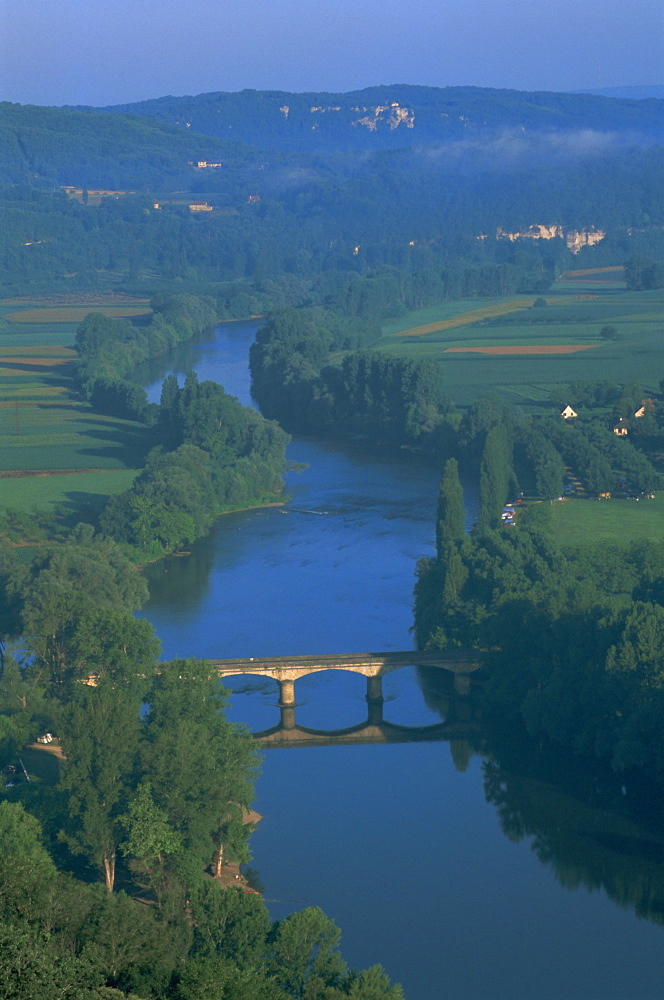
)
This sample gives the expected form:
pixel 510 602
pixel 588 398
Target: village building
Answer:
pixel 621 429
pixel 568 413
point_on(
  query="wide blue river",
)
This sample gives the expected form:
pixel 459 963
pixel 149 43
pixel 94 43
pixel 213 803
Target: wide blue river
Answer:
pixel 467 876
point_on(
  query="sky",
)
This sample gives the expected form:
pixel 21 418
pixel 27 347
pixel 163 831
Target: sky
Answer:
pixel 101 52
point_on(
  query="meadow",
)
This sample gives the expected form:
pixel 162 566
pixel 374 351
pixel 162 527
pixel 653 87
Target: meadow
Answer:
pixel 528 353
pixel 577 522
pixel 46 429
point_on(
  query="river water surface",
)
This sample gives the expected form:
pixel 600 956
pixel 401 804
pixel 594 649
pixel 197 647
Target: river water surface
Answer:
pixel 467 877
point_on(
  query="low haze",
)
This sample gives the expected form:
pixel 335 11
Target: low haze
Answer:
pixel 67 52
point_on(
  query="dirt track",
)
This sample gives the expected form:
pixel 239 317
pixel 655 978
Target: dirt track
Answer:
pixel 524 349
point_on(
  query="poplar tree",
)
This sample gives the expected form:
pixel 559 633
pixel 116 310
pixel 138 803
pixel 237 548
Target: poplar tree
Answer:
pixel 450 518
pixel 495 476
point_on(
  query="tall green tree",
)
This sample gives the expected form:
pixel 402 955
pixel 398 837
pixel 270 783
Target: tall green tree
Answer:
pixel 495 475
pixel 216 760
pixel 100 734
pixel 450 517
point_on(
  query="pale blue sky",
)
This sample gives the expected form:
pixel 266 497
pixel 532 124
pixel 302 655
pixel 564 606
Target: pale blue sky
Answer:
pixel 113 51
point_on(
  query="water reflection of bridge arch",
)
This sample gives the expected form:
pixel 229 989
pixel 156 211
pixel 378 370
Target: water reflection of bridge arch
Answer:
pixel 371 730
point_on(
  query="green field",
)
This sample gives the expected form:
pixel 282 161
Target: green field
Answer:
pixel 576 522
pixel 577 309
pixel 45 427
pixel 76 491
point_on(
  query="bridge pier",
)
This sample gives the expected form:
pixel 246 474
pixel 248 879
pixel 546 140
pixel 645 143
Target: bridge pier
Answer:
pixel 375 689
pixel 375 700
pixel 286 693
pixel 287 716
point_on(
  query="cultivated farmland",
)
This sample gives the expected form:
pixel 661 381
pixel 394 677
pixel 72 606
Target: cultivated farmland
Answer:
pixel 526 354
pixel 46 429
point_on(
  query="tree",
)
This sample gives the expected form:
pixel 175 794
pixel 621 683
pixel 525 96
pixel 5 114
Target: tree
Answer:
pixel 214 977
pixel 26 868
pixel 216 760
pixel 110 644
pixel 549 472
pixel 451 516
pixel 303 957
pixel 640 651
pixel 372 984
pixel 64 583
pixel 495 475
pixel 32 969
pixel 151 839
pixel 230 923
pixel 123 937
pixel 100 730
pixel 24 707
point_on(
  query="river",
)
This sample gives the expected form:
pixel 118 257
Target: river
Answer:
pixel 467 876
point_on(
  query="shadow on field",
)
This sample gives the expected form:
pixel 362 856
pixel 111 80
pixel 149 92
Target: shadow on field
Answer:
pixel 134 442
pixel 63 369
pixel 82 506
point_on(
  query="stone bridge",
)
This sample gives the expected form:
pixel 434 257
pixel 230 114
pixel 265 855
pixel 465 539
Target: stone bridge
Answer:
pixel 287 669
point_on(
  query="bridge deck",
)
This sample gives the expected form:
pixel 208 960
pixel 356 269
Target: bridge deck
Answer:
pixel 455 660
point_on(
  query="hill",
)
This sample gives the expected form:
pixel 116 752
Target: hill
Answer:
pixel 511 181
pixel 96 149
pixel 395 116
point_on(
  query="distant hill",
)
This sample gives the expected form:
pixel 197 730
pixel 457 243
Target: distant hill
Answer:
pixel 97 149
pixel 631 93
pixel 276 187
pixel 395 116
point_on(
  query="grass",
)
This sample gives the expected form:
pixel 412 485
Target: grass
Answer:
pixel 577 522
pixel 579 305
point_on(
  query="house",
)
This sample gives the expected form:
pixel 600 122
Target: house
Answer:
pixel 200 206
pixel 621 429
pixel 568 413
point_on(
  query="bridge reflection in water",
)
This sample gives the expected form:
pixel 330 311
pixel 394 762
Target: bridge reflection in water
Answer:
pixel 374 666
